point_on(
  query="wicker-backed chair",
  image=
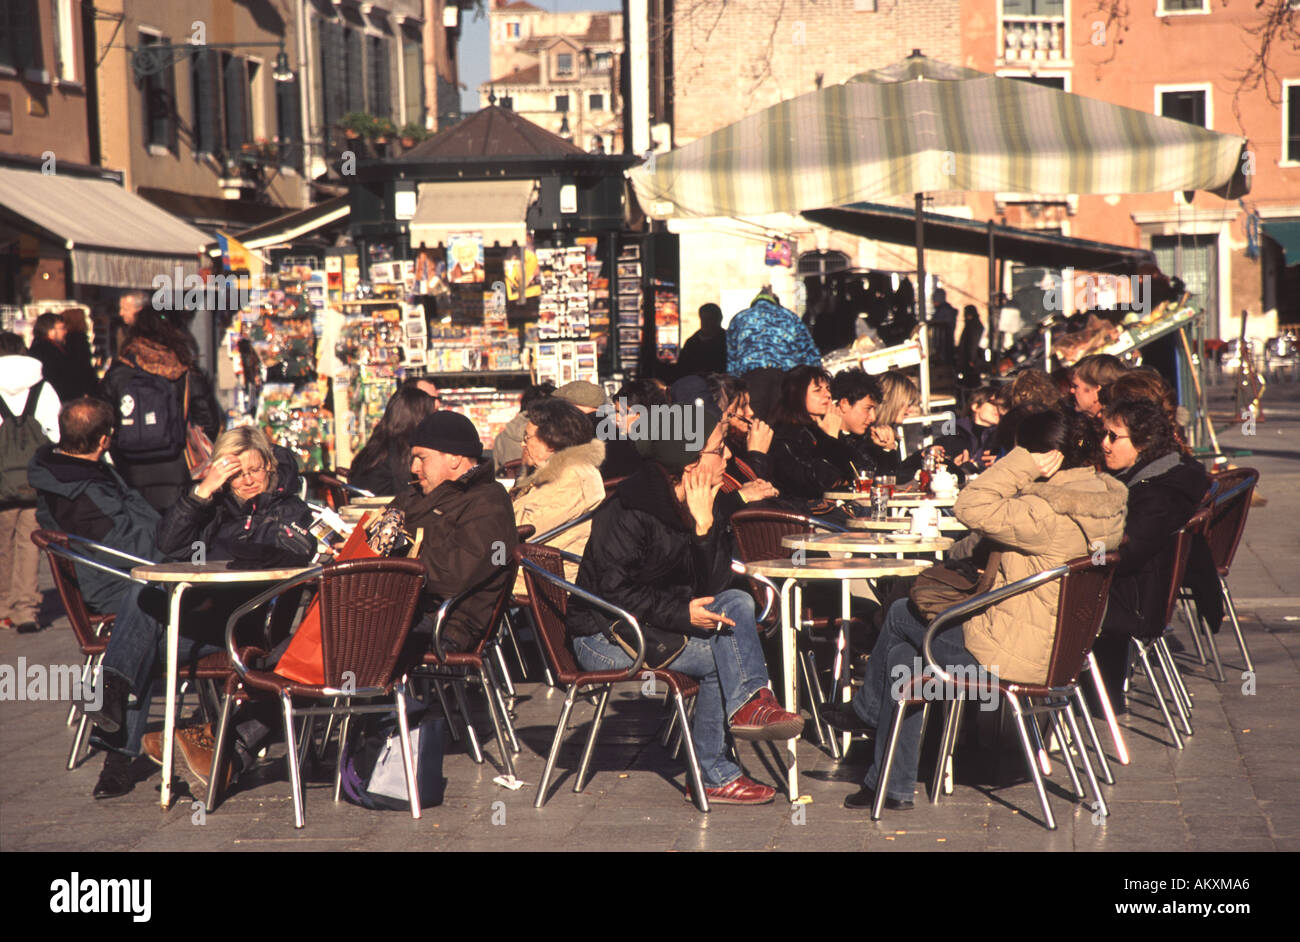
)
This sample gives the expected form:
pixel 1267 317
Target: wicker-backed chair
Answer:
pixel 438 666
pixel 366 610
pixel 548 593
pixel 1223 532
pixel 1084 587
pixel 65 552
pixel 758 533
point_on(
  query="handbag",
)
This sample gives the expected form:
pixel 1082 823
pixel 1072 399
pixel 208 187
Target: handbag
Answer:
pixel 198 447
pixel 661 647
pixel 944 585
pixel 372 774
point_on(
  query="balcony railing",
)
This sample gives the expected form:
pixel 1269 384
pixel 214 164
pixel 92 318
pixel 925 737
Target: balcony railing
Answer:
pixel 1033 39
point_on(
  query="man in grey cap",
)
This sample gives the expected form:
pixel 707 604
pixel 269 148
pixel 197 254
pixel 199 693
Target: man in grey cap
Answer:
pixel 468 522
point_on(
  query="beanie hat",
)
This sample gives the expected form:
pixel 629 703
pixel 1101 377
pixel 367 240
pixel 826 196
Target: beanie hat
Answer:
pixel 581 393
pixel 450 433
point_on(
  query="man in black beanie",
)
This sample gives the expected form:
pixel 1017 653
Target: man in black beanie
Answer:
pixel 468 522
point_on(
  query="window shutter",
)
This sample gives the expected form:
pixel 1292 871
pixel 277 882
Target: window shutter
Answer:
pixel 355 77
pixel 377 67
pixel 287 124
pixel 236 87
pixel 207 102
pixel 333 68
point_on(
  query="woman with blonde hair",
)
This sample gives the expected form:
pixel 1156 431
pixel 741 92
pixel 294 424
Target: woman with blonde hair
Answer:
pixel 900 399
pixel 246 507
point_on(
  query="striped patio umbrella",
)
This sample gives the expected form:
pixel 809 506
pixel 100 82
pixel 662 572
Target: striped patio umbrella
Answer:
pixel 922 125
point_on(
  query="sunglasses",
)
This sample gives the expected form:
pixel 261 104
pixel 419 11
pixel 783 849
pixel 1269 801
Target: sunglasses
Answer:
pixel 1113 437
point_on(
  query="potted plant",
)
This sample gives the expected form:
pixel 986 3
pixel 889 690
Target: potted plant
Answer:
pixel 381 129
pixel 413 133
pixel 356 124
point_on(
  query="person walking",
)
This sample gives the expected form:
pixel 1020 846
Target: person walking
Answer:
pixel 29 418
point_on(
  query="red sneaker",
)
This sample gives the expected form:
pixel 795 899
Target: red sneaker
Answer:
pixel 763 718
pixel 741 791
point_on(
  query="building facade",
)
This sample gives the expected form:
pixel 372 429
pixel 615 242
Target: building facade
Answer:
pixel 1187 59
pixel 559 70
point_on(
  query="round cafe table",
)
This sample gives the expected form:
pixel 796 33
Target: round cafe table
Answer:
pixel 869 543
pixel 946 524
pixel 179 577
pixel 792 572
pixel 899 498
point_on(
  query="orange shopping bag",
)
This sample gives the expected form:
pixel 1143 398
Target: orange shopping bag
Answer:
pixel 302 659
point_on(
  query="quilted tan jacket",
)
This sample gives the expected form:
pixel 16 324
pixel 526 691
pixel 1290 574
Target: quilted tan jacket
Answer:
pixel 567 486
pixel 1042 525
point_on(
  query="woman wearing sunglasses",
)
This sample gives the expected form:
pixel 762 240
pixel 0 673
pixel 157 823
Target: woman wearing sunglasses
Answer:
pixel 1141 449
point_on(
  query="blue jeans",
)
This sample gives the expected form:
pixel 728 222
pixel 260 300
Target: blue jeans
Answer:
pixel 729 667
pixel 898 646
pixel 136 653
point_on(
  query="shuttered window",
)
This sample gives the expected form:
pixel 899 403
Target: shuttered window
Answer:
pixel 20 35
pixel 380 99
pixel 333 71
pixel 353 70
pixel 235 85
pixel 412 52
pixel 205 86
pixel 288 124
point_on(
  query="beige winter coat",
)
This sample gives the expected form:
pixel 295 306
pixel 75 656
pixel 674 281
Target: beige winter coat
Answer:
pixel 1042 524
pixel 567 486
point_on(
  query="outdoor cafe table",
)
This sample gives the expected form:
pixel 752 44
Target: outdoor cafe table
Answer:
pixel 897 499
pixel 180 577
pixel 946 524
pixel 793 572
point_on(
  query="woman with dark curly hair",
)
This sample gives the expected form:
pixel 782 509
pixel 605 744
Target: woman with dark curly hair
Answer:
pixel 1165 486
pixel 1146 383
pixel 807 458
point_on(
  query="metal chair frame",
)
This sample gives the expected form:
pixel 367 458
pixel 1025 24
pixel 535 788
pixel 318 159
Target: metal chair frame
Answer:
pixel 295 751
pixel 533 571
pixel 827 736
pixel 1057 701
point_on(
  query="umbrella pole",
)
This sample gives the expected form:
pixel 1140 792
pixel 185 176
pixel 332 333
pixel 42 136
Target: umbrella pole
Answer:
pixel 920 304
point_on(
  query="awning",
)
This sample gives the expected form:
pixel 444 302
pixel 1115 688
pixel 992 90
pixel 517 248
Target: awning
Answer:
pixel 952 234
pixel 497 208
pixel 297 224
pixel 923 126
pixel 1286 233
pixel 115 238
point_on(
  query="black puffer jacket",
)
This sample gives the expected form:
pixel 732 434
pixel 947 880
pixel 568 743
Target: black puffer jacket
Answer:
pixel 806 462
pixel 270 529
pixel 645 557
pixel 1162 496
pixel 469 537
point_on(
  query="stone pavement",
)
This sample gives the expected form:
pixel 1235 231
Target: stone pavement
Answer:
pixel 1232 788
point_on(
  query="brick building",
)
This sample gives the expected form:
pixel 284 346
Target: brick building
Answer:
pixel 1184 59
pixel 559 70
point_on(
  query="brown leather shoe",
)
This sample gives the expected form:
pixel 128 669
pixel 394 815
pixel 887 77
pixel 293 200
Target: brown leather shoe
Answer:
pixel 741 791
pixel 763 718
pixel 151 746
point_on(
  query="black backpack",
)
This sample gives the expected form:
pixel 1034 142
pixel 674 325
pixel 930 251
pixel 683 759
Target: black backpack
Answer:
pixel 20 437
pixel 150 420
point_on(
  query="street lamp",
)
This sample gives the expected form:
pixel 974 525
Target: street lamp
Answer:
pixel 152 59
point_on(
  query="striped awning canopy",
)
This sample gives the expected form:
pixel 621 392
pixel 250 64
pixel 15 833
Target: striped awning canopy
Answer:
pixel 922 125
